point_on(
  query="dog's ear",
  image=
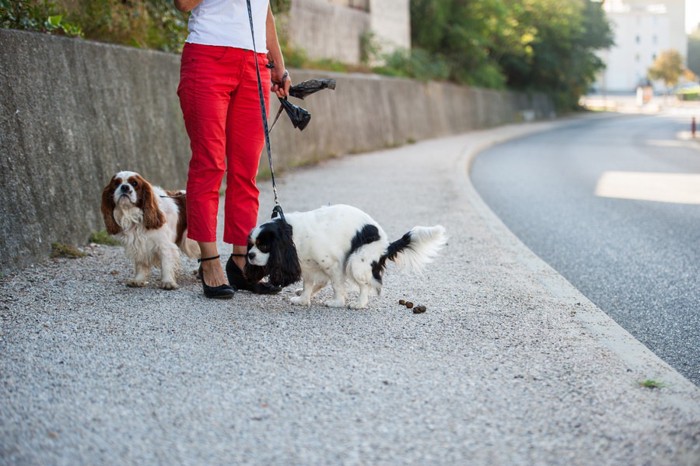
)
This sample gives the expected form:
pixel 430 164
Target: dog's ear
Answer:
pixel 107 209
pixel 283 265
pixel 255 273
pixel 153 218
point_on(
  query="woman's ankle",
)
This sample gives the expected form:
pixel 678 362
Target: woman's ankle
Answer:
pixel 213 273
pixel 239 255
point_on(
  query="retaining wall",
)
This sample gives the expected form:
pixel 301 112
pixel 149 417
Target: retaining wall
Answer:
pixel 74 112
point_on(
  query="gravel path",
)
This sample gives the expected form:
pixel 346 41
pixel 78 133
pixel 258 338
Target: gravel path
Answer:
pixel 509 365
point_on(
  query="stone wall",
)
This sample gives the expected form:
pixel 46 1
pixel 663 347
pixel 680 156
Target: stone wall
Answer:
pixel 324 30
pixel 390 22
pixel 333 29
pixel 74 112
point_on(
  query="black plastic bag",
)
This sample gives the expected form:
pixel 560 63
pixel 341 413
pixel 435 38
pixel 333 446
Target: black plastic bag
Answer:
pixel 300 116
pixel 311 86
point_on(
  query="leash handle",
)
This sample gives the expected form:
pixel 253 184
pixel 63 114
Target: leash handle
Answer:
pixel 278 208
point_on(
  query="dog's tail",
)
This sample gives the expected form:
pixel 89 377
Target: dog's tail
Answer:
pixel 415 249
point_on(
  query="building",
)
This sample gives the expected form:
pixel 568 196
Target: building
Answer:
pixel 338 29
pixel 642 30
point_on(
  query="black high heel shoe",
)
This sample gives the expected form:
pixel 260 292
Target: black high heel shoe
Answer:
pixel 215 292
pixel 240 282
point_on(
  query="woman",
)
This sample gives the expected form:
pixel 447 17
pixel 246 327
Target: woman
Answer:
pixel 221 106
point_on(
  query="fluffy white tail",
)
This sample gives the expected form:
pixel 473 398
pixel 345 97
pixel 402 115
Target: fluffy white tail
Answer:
pixel 416 248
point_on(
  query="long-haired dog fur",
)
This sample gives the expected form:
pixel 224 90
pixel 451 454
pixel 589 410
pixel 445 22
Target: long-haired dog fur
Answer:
pixel 151 223
pixel 336 244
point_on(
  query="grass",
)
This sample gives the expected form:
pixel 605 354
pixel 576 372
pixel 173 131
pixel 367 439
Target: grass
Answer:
pixel 66 250
pixel 651 384
pixel 102 237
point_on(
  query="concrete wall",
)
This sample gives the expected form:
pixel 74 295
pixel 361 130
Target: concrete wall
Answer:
pixel 333 28
pixel 390 21
pixel 324 30
pixel 73 112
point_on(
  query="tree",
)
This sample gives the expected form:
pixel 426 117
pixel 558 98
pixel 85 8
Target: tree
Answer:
pixel 467 35
pixel 667 67
pixel 531 45
pixel 563 61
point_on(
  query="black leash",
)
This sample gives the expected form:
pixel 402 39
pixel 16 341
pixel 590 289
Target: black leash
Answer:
pixel 277 210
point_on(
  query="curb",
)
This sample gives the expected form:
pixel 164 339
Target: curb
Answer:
pixel 635 355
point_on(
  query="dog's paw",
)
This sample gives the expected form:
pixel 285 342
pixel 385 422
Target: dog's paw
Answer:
pixel 169 286
pixel 335 303
pixel 298 291
pixel 136 283
pixel 300 301
pixel 358 305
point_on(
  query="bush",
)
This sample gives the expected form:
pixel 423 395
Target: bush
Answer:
pixel 36 15
pixel 146 24
pixel 416 63
pixel 154 24
pixel 689 93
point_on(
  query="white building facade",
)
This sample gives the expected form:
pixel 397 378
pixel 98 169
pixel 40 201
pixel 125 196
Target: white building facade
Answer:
pixel 642 29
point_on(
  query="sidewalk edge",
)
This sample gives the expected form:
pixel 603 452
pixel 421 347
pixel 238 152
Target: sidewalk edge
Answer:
pixel 679 392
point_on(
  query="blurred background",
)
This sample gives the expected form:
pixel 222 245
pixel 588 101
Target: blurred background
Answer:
pixel 636 49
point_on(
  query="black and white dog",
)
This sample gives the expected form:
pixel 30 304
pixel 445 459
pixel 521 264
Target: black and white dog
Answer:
pixel 336 244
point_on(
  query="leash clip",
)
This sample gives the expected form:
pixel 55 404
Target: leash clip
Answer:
pixel 277 212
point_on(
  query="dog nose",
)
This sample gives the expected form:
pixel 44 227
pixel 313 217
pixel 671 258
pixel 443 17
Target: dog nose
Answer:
pixel 125 188
pixel 251 256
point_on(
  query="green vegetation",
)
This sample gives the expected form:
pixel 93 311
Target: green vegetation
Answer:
pixel 147 24
pixel 152 24
pixel 690 92
pixel 649 383
pixel 102 237
pixel 66 250
pixel 526 45
pixel 280 6
pixel 417 64
pixel 667 67
pixel 35 15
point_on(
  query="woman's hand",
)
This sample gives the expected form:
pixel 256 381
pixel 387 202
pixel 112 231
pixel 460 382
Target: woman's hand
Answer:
pixel 281 82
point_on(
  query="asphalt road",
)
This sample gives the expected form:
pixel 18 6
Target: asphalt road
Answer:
pixel 636 257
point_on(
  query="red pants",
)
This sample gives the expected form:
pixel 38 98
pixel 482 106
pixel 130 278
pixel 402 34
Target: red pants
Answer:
pixel 221 105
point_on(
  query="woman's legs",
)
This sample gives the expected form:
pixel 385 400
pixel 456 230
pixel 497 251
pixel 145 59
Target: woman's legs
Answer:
pixel 204 91
pixel 245 141
pixel 221 107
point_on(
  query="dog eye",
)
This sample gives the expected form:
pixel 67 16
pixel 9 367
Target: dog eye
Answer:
pixel 133 183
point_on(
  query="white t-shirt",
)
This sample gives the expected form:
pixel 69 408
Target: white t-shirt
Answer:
pixel 226 22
